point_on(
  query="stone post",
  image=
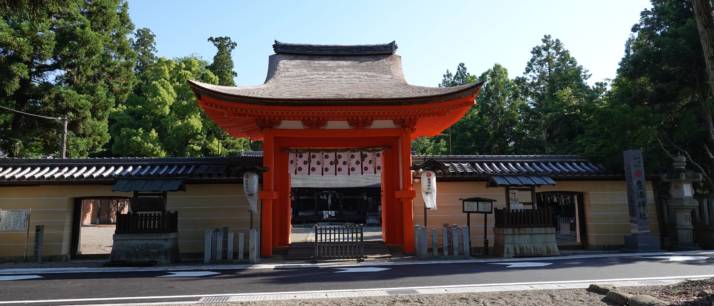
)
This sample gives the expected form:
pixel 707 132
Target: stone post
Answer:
pixel 680 205
pixel 434 245
pixel 445 241
pixel 640 237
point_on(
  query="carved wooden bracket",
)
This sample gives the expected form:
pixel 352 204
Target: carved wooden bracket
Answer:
pixel 314 123
pixel 359 122
pixel 406 122
pixel 266 122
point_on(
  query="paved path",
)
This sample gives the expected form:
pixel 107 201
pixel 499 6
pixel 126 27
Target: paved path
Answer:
pixel 219 284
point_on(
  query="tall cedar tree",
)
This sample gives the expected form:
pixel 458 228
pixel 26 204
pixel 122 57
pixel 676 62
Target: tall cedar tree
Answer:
pixel 161 117
pixel 662 78
pixel 222 65
pixel 555 87
pixel 73 60
pixel 492 125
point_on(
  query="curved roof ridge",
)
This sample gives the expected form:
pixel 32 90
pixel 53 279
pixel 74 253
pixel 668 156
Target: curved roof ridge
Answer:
pixel 315 49
pixel 334 75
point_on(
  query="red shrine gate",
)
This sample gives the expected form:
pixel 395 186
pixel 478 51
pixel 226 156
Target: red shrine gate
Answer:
pixel 335 97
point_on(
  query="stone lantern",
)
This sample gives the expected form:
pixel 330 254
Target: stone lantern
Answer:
pixel 680 205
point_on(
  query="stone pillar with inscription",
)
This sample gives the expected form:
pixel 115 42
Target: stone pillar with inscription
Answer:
pixel 680 205
pixel 640 237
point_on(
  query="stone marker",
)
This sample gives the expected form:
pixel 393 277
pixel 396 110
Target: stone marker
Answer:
pixel 467 242
pixel 207 237
pixel 229 246
pixel 455 240
pixel 446 241
pixel 640 237
pixel 434 248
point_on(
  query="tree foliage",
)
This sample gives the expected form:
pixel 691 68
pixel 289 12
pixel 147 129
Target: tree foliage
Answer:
pixel 492 126
pixel 222 65
pixel 73 60
pixel 662 81
pixel 162 118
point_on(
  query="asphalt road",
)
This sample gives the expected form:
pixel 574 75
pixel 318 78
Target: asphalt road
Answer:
pixel 51 286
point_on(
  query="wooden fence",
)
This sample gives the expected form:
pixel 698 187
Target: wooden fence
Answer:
pixel 541 217
pixel 339 241
pixel 147 222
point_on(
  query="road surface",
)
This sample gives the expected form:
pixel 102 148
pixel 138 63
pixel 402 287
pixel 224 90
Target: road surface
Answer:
pixel 165 286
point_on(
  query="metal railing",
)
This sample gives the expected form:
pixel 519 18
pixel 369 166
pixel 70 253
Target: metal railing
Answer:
pixel 147 222
pixel 343 241
pixel 541 217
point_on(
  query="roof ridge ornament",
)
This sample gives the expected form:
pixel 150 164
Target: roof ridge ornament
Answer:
pixel 331 50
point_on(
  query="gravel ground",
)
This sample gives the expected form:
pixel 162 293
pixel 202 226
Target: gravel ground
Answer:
pixel 519 298
pixel 689 293
pixel 96 239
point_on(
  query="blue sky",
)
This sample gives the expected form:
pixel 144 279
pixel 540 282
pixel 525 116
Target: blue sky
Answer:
pixel 432 35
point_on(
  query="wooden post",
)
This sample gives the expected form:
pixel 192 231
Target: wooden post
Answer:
pixel 485 234
pixel 65 121
pixel 267 196
pixel 39 241
pixel 407 190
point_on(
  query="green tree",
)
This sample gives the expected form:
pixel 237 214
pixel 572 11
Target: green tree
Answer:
pixel 222 65
pixel 662 81
pixel 555 87
pixel 74 60
pixel 162 118
pixel 144 45
pixel 492 126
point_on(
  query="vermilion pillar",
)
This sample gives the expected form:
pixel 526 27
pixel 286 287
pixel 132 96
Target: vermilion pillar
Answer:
pixel 267 196
pixel 406 194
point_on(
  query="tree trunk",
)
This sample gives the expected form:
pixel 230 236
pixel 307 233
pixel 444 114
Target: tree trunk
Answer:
pixel 705 25
pixel 704 15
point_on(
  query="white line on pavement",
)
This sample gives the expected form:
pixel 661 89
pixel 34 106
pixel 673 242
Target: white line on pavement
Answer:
pixel 475 288
pixel 523 264
pixel 18 277
pixel 361 270
pixel 190 274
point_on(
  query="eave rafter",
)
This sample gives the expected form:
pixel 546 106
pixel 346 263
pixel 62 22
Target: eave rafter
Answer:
pixel 248 120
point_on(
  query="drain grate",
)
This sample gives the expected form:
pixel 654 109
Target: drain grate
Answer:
pixel 215 299
pixel 402 292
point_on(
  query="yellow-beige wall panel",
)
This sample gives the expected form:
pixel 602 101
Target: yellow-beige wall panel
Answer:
pixel 606 213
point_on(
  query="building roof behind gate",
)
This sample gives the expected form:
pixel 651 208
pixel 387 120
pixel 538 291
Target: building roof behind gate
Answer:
pixel 106 170
pixel 483 167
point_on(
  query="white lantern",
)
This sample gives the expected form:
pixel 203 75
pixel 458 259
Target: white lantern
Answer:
pixel 428 188
pixel 250 188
